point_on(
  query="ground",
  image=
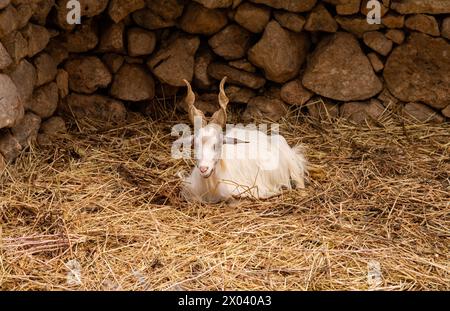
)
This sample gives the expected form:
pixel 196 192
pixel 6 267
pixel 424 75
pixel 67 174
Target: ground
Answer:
pixel 101 209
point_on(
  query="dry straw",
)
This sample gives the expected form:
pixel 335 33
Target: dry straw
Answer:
pixel 107 201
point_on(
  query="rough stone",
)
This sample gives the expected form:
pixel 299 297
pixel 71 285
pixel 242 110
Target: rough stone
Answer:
pixel 11 107
pixel 375 60
pixel 356 25
pixel 396 35
pixel 319 19
pixel 95 106
pixel 142 88
pixel 252 17
pixel 175 62
pixel 338 69
pixel 119 9
pixel 293 93
pixel 362 112
pixel 45 100
pixel 423 23
pixel 9 147
pixel 54 126
pixel 235 76
pixel 264 108
pixel 322 109
pixel 25 132
pixel 46 68
pixel 289 20
pixel 378 42
pixel 232 42
pixel 417 112
pixel 5 59
pixel 202 61
pixel 200 20
pixel 148 19
pixel 112 39
pixel 140 42
pixel 289 5
pixel 239 95
pixel 418 71
pixel 280 53
pixel 62 81
pixel 87 74
pixel 24 77
pixel 83 39
pixel 445 28
pixel 421 6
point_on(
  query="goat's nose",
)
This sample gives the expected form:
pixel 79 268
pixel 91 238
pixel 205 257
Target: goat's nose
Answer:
pixel 203 169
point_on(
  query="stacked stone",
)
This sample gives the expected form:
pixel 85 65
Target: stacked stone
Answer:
pixel 276 53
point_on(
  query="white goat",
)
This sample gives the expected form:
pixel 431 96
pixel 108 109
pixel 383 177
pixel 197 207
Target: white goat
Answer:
pixel 244 162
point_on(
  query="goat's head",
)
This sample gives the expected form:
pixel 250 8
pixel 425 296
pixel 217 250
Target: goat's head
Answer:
pixel 209 138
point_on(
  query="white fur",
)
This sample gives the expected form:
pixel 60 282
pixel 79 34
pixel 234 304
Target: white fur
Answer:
pixel 261 168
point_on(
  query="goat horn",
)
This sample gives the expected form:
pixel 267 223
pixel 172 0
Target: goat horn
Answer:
pixel 190 100
pixel 220 116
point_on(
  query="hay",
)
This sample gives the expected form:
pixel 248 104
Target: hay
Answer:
pixel 108 201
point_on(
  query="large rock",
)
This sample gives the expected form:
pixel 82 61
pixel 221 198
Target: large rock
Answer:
pixel 214 4
pixel 54 126
pixel 27 129
pixel 175 62
pixel 289 20
pixel 140 42
pixel 235 76
pixel 5 59
pixel 8 21
pixel 356 25
pixel 45 100
pixel 87 74
pixel 200 20
pixel 24 77
pixel 119 9
pixel 264 108
pixel 141 88
pixel 252 17
pixel 280 53
pixel 289 5
pixel 83 39
pixel 4 3
pixel 232 42
pixel 445 28
pixel 46 68
pixel 112 39
pixel 418 71
pixel 293 93
pixel 37 38
pixel 362 112
pixel 148 19
pixel 417 112
pixel 11 107
pixel 423 23
pixel 94 107
pixel 446 111
pixel 166 9
pixel 378 42
pixel 338 69
pixel 421 6
pixel 240 95
pixel 202 60
pixel 321 109
pixel 16 45
pixel 320 19
pixel 9 146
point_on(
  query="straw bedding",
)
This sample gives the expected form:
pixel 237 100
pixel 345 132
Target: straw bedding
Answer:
pixel 101 210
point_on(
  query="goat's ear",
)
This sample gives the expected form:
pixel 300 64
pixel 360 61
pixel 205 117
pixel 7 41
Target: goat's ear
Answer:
pixel 192 111
pixel 233 141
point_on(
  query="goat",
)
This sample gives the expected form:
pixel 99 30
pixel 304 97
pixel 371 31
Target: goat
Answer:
pixel 245 162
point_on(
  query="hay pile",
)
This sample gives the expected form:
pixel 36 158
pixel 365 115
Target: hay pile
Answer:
pixel 103 208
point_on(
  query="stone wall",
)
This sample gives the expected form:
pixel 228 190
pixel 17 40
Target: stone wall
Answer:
pixel 276 53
